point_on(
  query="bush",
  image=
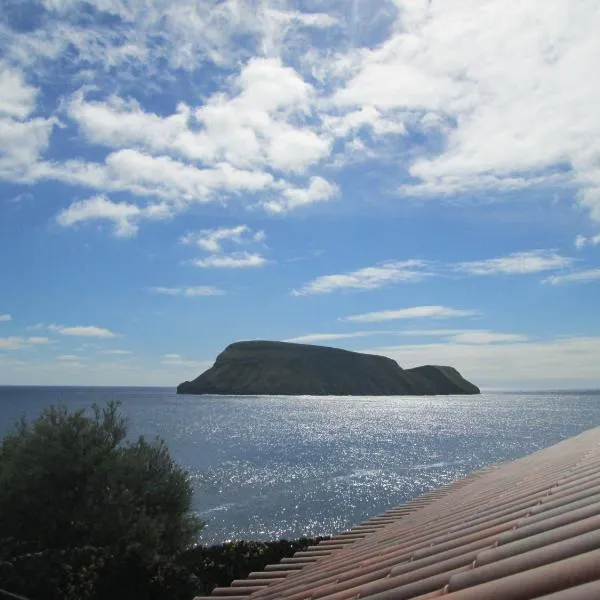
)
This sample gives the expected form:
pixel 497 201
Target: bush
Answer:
pixel 85 514
pixel 219 565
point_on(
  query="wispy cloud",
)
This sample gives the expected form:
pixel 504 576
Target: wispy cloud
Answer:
pixel 189 291
pixel 68 357
pixel 368 278
pixel 4 318
pixel 413 312
pixel 577 277
pixel 517 263
pixel 116 352
pixel 176 360
pixel 18 343
pixel 581 241
pixel 487 337
pixel 212 240
pixel 431 332
pixel 328 337
pixel 82 331
pixel 235 260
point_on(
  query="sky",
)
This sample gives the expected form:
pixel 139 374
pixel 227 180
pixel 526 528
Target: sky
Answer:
pixel 417 179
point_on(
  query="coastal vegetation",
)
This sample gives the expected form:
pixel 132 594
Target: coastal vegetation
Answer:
pixel 87 514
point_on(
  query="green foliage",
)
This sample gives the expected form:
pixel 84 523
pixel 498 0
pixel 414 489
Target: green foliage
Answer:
pixel 218 566
pixel 85 514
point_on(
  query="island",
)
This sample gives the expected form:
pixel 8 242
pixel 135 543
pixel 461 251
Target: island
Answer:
pixel 282 368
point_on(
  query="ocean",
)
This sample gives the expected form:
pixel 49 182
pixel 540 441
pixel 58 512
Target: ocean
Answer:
pixel 270 467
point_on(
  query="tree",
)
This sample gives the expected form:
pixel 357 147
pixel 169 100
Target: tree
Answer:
pixel 85 513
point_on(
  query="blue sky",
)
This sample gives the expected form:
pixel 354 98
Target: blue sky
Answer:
pixel 391 177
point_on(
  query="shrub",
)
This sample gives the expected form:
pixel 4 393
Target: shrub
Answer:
pixel 85 514
pixel 219 565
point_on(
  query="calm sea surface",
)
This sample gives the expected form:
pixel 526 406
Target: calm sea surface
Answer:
pixel 270 467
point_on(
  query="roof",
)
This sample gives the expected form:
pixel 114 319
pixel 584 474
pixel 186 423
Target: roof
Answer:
pixel 529 528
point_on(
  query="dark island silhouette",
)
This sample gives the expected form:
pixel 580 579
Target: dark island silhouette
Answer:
pixel 282 368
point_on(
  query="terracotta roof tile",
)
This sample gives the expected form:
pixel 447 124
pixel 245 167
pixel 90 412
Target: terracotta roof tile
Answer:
pixel 525 529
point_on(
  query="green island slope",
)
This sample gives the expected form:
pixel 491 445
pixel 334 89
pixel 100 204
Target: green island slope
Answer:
pixel 282 368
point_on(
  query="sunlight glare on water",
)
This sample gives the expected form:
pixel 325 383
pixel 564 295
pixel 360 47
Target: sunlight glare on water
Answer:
pixel 272 467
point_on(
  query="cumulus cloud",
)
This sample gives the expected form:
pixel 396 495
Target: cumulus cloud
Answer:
pixel 82 331
pixel 5 317
pixel 414 312
pixel 318 190
pixel 485 100
pixel 304 91
pixel 367 278
pixel 121 214
pixel 17 98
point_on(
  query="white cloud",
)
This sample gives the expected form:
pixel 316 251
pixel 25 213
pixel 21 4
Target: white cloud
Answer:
pixel 431 332
pixel 250 126
pixel 212 240
pixel 511 116
pixel 83 331
pixel 116 352
pixel 328 337
pixel 235 260
pixel 502 118
pixel 68 357
pixel 22 140
pixel 11 343
pixel 318 190
pixel 21 144
pixel 100 207
pixel 161 176
pixel 458 336
pixel 486 337
pixel 17 98
pixel 18 343
pixel 189 292
pixel 5 317
pixel 368 278
pixel 518 263
pixel 577 277
pixel 37 340
pixel 253 126
pixel 582 241
pixel 414 312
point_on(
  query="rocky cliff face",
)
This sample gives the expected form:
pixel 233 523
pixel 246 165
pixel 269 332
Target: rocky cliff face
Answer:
pixel 280 368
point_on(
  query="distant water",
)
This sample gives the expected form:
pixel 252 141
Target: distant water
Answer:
pixel 270 467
